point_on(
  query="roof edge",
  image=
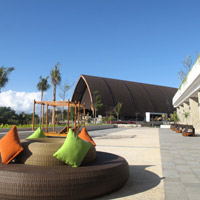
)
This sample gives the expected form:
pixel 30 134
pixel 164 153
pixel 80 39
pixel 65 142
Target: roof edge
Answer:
pixel 87 85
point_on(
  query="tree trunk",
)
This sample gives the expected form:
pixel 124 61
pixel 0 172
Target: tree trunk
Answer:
pixel 54 92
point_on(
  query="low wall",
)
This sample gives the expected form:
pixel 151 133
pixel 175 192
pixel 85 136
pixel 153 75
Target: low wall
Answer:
pixel 100 127
pixel 89 128
pixel 19 129
pixel 164 126
pixel 127 125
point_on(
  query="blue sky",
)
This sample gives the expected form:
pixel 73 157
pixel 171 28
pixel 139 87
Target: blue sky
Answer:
pixel 135 40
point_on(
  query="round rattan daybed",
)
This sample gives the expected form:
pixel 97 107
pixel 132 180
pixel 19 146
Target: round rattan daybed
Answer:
pixel 107 173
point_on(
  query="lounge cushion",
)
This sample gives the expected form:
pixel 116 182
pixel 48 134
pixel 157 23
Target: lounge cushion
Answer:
pixel 73 150
pixel 10 146
pixel 39 151
pixel 85 136
pixel 37 134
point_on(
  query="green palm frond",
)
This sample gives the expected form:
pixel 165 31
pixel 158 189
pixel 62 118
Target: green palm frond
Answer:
pixel 4 72
pixel 43 84
pixel 55 75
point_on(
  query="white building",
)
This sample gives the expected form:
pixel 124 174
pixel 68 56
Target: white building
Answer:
pixel 150 115
pixel 187 99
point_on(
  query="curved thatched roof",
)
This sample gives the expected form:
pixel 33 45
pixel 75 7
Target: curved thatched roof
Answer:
pixel 136 97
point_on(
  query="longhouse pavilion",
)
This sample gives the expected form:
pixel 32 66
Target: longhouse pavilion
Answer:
pixel 136 98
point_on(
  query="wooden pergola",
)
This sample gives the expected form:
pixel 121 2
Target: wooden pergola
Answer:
pixel 77 106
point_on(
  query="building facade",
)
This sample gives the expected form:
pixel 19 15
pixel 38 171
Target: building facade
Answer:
pixel 187 99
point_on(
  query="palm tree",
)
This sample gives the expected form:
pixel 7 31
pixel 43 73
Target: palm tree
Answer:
pixel 117 109
pixel 4 72
pixel 174 117
pixel 97 103
pixel 42 86
pixel 55 79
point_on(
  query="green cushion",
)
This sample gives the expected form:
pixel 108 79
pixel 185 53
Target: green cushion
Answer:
pixel 73 151
pixel 37 134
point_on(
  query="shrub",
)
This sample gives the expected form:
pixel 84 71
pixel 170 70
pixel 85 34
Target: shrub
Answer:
pixel 103 120
pixel 111 118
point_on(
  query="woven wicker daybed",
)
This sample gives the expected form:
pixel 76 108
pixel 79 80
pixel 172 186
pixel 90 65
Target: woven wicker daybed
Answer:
pixel 95 177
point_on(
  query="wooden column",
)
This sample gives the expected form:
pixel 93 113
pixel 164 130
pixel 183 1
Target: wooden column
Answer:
pixel 68 115
pixel 78 114
pixel 33 119
pixel 75 116
pixel 47 118
pixel 84 115
pixel 42 117
pixel 53 113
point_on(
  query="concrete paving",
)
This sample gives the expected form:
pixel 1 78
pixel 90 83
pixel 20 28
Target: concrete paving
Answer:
pixel 163 164
pixel 141 148
pixel 180 165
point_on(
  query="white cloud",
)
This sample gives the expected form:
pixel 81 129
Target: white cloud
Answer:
pixel 19 101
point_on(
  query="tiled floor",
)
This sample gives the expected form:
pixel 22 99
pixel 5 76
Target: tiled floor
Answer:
pixel 181 165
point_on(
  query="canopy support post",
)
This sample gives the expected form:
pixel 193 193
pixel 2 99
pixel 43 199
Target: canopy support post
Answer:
pixel 46 117
pixel 33 119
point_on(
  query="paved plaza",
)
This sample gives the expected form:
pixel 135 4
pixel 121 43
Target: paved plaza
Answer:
pixel 163 164
pixel 181 165
pixel 141 148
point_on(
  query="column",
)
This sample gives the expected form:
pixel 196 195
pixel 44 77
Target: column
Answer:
pixel 186 113
pixel 194 110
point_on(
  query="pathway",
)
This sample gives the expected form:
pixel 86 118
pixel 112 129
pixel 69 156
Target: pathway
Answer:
pixel 141 148
pixel 181 165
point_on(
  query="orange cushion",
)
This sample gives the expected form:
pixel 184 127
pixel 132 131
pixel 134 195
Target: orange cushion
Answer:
pixel 85 136
pixel 10 146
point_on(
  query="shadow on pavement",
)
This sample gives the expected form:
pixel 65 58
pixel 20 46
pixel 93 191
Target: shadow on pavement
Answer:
pixel 140 180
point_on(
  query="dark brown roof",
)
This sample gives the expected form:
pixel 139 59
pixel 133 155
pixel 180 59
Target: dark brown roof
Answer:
pixel 136 97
